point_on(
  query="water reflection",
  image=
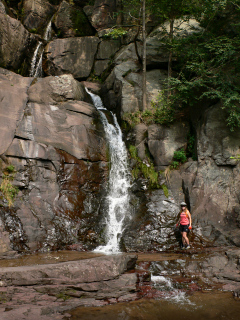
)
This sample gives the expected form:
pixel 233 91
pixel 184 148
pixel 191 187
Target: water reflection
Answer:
pixel 214 306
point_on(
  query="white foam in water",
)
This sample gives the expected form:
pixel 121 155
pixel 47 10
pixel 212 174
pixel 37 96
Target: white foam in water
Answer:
pixel 170 293
pixel 119 181
pixel 162 279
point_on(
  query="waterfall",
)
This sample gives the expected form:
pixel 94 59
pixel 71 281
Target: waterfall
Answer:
pixel 36 67
pixel 119 181
pixel 48 31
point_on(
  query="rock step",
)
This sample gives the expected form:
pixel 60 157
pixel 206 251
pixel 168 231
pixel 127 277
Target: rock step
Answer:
pixel 102 268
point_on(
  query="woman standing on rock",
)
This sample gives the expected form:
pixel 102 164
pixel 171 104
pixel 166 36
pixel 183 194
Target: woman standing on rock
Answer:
pixel 185 224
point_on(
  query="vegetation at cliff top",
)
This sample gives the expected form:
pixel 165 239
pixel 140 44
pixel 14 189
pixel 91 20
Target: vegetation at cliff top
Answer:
pixel 208 61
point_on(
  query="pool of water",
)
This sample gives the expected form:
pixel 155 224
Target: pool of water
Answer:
pixel 165 294
pixel 199 306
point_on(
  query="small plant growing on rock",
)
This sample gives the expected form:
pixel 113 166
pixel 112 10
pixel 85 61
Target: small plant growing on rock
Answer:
pixel 144 168
pixel 116 33
pixel 8 190
pixel 179 157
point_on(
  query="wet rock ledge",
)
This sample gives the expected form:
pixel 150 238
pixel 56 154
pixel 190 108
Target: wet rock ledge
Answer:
pixel 43 290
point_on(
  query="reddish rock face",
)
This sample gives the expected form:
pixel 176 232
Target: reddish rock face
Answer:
pixel 59 159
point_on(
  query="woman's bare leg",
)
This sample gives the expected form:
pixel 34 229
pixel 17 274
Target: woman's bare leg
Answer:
pixel 185 238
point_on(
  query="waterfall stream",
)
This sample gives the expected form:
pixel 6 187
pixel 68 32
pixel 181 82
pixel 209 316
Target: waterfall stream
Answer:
pixel 36 64
pixel 119 181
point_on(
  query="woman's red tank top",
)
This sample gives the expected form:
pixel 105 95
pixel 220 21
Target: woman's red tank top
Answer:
pixel 184 219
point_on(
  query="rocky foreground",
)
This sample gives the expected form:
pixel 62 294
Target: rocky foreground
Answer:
pixel 51 291
pixel 44 291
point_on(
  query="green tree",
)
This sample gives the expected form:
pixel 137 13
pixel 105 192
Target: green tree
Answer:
pixel 209 61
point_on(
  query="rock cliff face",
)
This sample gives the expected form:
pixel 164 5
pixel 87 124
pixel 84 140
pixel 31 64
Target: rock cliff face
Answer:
pixel 53 147
pixel 56 145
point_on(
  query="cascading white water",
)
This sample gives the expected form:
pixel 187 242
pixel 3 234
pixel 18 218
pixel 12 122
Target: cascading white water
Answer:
pixel 36 67
pixel 119 181
pixel 48 31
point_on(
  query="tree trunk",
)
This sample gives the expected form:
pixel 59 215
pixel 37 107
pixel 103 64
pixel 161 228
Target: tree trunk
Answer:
pixel 170 54
pixel 144 89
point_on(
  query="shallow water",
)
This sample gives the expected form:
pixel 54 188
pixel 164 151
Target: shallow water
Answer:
pixel 47 258
pixel 209 306
pixel 173 298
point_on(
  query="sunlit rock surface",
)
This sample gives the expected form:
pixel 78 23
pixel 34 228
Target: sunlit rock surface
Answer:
pixel 42 290
pixel 60 163
pixel 16 42
pixel 71 55
pixel 13 97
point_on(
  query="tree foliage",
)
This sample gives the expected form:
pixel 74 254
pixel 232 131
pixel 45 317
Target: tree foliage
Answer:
pixel 209 61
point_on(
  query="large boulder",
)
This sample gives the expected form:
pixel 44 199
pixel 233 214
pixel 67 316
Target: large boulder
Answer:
pixel 106 51
pixel 56 89
pixel 71 21
pixel 62 127
pixel 16 43
pixel 153 225
pixel 37 14
pixel 72 55
pixel 164 141
pixel 13 97
pixel 124 87
pixel 103 14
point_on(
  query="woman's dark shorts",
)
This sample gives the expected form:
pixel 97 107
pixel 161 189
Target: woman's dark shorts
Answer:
pixel 183 228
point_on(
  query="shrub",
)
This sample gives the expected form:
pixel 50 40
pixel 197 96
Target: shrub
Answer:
pixel 145 169
pixel 115 33
pixel 8 190
pixel 180 156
